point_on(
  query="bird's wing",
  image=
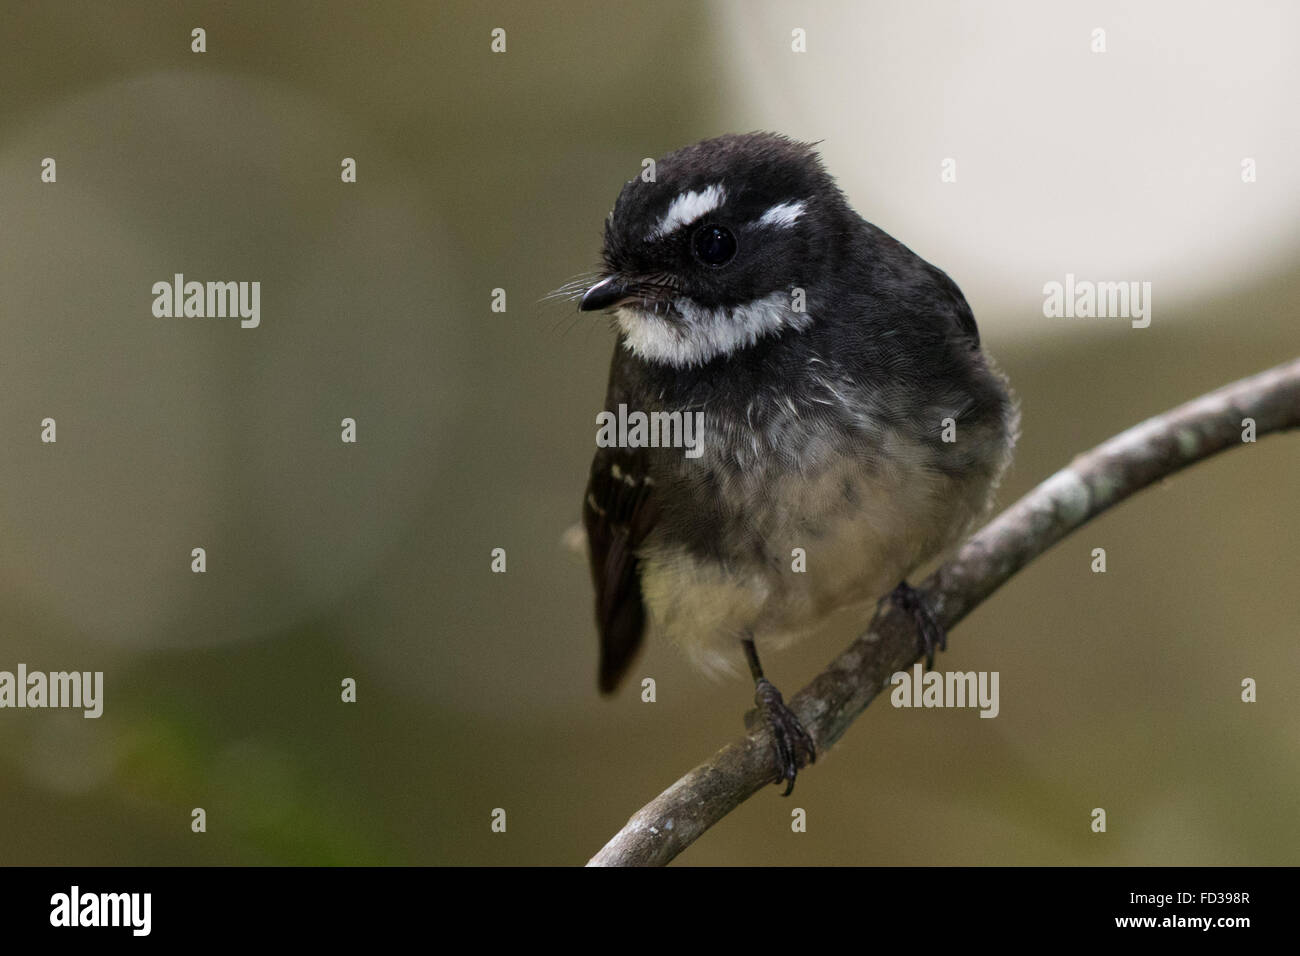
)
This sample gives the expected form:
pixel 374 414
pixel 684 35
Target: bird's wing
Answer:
pixel 618 513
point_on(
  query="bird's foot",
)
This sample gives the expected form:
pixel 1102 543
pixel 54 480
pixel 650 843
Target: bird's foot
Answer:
pixel 930 632
pixel 792 745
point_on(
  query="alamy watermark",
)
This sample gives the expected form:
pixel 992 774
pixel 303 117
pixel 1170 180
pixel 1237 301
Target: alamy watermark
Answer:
pixel 921 688
pixel 79 690
pixel 208 300
pixel 1085 299
pixel 75 908
pixel 651 430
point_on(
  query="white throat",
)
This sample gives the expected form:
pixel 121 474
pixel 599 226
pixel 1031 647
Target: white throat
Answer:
pixel 703 334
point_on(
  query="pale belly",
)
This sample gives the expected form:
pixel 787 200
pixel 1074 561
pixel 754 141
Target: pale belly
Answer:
pixel 860 531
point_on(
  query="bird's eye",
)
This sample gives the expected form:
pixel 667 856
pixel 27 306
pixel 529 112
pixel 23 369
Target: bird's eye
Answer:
pixel 714 245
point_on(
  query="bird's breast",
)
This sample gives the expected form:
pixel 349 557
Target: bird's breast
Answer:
pixel 771 549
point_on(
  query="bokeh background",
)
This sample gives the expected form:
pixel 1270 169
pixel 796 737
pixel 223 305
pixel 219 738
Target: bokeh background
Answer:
pixel 479 170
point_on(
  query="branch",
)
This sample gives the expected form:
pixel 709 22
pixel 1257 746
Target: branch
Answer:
pixel 1089 485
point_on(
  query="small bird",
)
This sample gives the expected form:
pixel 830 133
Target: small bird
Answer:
pixel 851 427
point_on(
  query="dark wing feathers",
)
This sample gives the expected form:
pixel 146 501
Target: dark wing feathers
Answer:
pixel 618 512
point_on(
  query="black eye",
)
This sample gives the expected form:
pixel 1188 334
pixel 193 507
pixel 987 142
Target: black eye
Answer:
pixel 715 245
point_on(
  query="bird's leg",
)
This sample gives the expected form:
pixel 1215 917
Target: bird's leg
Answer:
pixel 931 633
pixel 792 744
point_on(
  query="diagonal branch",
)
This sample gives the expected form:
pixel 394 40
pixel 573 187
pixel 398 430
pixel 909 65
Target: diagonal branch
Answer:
pixel 1089 485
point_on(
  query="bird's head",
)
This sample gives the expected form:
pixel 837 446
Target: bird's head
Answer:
pixel 719 248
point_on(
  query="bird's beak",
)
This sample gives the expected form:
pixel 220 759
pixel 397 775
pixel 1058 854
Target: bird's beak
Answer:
pixel 606 292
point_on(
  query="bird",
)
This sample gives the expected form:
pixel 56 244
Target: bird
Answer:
pixel 850 426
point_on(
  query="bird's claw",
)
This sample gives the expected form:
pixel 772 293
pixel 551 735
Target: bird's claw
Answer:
pixel 792 745
pixel 931 633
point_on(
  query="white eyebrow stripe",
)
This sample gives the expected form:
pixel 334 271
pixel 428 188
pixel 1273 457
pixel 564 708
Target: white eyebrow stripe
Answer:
pixel 783 214
pixel 688 207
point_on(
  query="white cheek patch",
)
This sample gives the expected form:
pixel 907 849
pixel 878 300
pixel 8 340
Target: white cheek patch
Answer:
pixel 703 334
pixel 782 215
pixel 688 208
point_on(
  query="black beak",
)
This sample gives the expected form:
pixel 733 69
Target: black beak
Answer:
pixel 603 294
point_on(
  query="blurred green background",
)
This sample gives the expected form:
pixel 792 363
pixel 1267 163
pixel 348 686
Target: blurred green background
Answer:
pixel 477 171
